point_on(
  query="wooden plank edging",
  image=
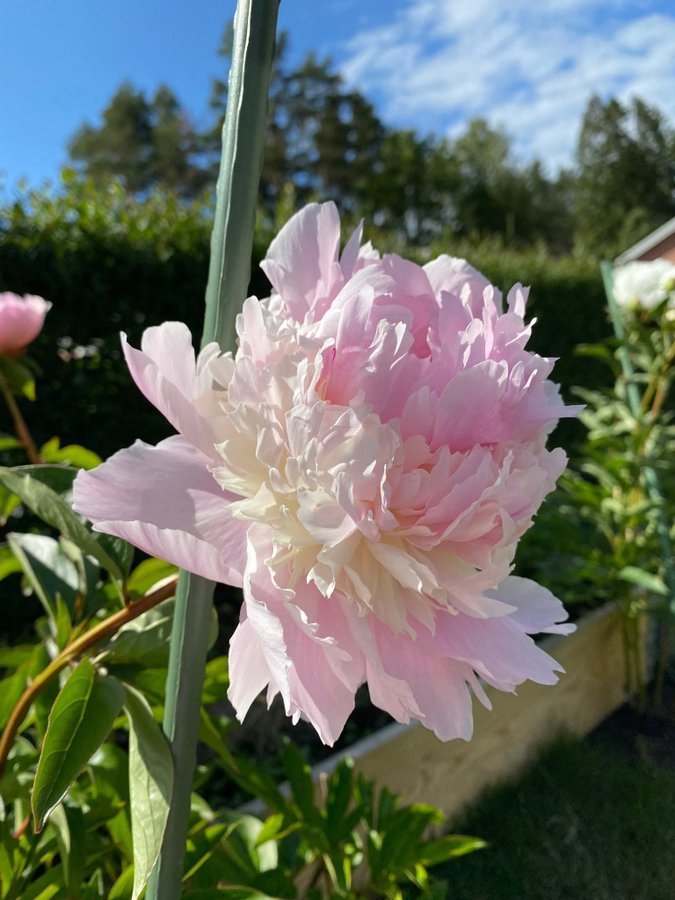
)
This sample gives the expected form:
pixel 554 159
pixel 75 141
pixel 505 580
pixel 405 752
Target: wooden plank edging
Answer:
pixel 411 761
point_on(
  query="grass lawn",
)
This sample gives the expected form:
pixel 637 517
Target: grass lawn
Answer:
pixel 583 823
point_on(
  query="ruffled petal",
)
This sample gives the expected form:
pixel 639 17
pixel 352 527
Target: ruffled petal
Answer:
pixel 307 663
pixel 164 500
pixel 537 610
pixel 302 260
pixel 497 649
pixel 165 371
pixel 438 685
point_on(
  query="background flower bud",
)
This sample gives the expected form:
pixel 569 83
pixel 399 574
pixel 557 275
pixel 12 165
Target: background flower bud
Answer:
pixel 21 320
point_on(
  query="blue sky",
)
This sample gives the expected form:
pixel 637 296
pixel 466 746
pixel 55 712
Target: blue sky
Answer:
pixel 427 64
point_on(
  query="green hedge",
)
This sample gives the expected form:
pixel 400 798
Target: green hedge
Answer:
pixel 109 262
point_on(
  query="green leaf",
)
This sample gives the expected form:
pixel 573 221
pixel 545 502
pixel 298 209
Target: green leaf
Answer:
pixel 9 564
pixel 122 888
pixel 232 892
pixel 80 720
pixel 48 570
pixel 143 641
pixel 11 689
pixel 299 776
pixel 245 831
pixel 58 478
pixel 51 508
pixel 150 682
pixel 216 680
pixel 251 776
pixel 9 443
pixel 449 847
pixel 11 657
pixel 48 887
pixel 338 797
pixel 17 778
pixel 150 786
pixel 19 376
pixel 68 824
pixel 119 550
pixel 148 575
pixel 271 829
pixel 8 503
pixel 46 697
pixel 71 455
pixel 646 580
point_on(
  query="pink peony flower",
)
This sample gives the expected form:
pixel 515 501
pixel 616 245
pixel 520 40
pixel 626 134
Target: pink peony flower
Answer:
pixel 363 468
pixel 21 320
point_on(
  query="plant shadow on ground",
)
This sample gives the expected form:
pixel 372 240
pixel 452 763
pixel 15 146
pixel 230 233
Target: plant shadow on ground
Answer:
pixel 590 820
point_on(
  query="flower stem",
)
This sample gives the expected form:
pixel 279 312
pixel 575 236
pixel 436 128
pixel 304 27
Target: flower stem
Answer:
pixel 227 287
pixel 20 426
pixel 85 642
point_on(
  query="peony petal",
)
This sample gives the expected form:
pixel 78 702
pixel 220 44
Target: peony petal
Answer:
pixel 164 500
pixel 314 673
pixel 302 262
pixel 165 371
pixel 438 684
pixel 497 649
pixel 537 610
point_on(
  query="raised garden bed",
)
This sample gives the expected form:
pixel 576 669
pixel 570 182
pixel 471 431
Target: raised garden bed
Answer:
pixel 410 760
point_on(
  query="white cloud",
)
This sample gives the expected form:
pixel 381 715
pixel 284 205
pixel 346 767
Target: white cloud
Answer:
pixel 528 68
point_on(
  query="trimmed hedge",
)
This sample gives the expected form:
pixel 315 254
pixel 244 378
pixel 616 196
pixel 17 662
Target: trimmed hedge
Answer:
pixel 109 262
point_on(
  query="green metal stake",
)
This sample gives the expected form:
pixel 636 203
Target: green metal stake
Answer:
pixel 651 476
pixel 229 272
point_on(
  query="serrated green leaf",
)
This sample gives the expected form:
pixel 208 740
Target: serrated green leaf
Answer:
pixel 150 786
pixel 299 776
pixel 51 508
pixel 80 720
pixel 339 794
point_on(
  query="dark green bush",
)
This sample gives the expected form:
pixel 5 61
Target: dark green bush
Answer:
pixel 111 262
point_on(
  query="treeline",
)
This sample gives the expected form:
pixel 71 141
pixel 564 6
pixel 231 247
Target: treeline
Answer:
pixel 326 140
pixel 111 261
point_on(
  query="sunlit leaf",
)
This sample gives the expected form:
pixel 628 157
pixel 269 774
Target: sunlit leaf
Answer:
pixel 143 641
pixel 79 722
pixel 51 508
pixel 150 786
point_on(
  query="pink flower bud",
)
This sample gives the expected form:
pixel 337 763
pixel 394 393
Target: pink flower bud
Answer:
pixel 21 320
